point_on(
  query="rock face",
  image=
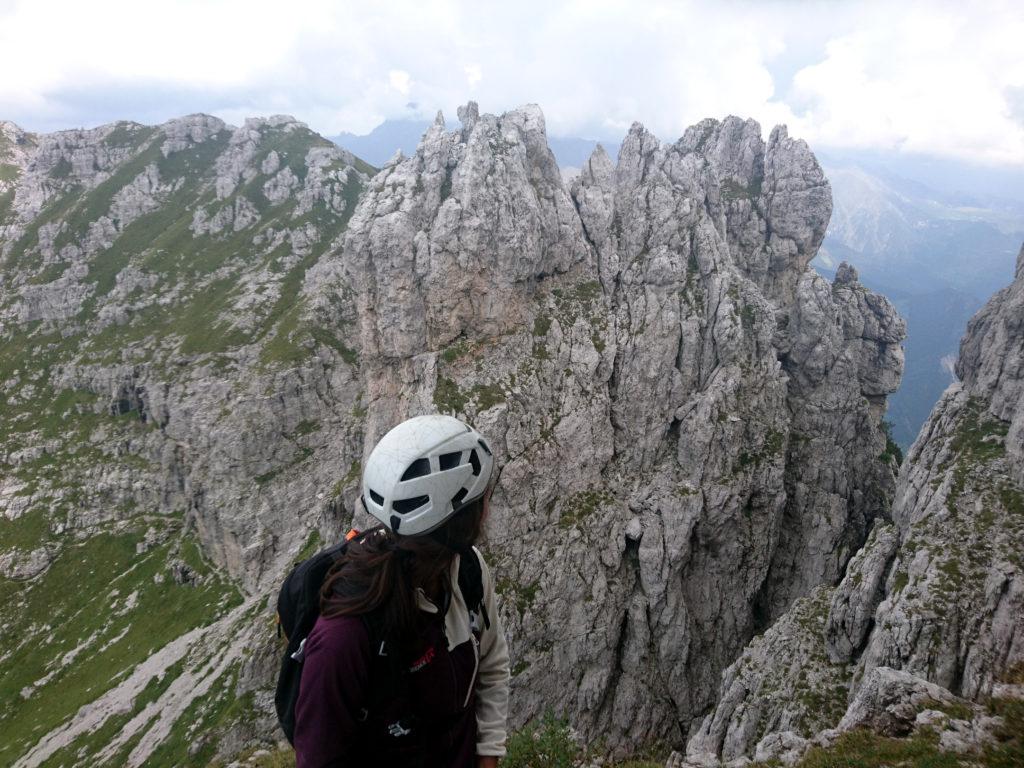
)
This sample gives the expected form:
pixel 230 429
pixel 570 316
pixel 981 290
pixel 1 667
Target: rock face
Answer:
pixel 165 385
pixel 933 606
pixel 889 701
pixel 686 418
pixel 960 510
pixel 675 398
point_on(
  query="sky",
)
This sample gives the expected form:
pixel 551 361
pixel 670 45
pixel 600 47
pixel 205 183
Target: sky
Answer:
pixel 935 78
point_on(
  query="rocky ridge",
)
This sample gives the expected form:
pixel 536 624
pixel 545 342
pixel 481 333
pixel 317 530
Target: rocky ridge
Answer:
pixel 159 371
pixel 931 611
pixel 655 327
pixel 206 329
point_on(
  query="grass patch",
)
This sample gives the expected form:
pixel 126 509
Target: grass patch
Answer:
pixel 9 173
pixel 278 758
pixel 733 190
pixel 865 749
pixel 953 709
pixel 455 351
pixel 6 202
pixel 26 532
pixel 522 595
pixel 979 436
pixel 448 397
pixel 541 325
pixel 129 135
pixel 61 170
pixel 543 744
pixel 446 185
pixel 313 544
pixel 193 738
pixel 548 743
pixel 772 446
pixel 305 427
pixel 84 602
pixel 354 471
pixel 578 507
pixel 302 454
pixel 892 453
pixel 748 317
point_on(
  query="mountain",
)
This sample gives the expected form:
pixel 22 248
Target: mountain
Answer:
pixel 919 652
pixel 678 391
pixel 935 236
pixel 937 253
pixel 206 328
pixel 165 383
pixel 911 236
pixel 380 144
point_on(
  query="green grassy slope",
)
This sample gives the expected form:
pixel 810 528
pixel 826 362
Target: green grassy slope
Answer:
pixel 122 575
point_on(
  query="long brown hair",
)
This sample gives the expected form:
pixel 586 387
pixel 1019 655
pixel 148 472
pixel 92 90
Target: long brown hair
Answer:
pixel 382 569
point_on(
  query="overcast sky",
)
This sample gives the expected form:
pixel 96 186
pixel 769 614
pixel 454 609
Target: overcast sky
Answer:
pixel 931 77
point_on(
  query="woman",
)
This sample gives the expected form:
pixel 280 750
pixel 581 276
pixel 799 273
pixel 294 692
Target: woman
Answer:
pixel 433 690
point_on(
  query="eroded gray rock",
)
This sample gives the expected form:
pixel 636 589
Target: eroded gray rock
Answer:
pixel 623 328
pixel 931 611
pixel 889 700
pixel 854 601
pixel 685 417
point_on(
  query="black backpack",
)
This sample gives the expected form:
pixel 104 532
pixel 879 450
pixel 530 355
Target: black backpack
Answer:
pixel 298 606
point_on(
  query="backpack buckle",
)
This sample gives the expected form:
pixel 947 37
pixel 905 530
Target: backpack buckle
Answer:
pixel 397 730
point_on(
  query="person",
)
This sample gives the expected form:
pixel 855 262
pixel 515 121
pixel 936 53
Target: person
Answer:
pixel 443 700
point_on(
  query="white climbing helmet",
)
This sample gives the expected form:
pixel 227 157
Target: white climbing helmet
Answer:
pixel 423 471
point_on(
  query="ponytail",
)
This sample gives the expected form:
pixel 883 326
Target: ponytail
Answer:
pixel 382 570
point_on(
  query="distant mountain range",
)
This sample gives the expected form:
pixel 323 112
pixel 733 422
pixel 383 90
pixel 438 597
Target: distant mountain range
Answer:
pixel 937 237
pixel 938 254
pixel 382 142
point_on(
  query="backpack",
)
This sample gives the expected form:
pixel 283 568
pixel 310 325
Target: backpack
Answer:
pixel 298 606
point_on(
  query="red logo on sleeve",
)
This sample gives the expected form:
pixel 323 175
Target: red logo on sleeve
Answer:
pixel 423 660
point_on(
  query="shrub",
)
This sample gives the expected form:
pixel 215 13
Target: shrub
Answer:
pixel 547 744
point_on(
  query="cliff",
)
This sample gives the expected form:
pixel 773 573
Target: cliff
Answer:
pixel 207 328
pixel 931 611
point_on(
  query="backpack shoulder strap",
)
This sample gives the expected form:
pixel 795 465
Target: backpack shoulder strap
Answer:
pixel 471 583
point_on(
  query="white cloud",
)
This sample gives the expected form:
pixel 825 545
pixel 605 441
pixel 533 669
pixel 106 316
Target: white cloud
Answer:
pixel 931 78
pixel 400 81
pixel 925 79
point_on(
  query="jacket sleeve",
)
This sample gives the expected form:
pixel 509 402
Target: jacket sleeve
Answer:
pixel 493 677
pixel 332 692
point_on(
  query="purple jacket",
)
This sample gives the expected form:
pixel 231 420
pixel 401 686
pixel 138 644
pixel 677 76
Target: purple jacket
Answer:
pixel 338 665
pixel 458 683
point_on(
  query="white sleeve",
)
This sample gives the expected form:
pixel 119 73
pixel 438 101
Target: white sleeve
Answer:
pixel 493 678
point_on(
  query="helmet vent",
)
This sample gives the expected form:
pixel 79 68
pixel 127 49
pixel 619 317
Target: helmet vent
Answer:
pixel 418 468
pixel 484 446
pixel 475 461
pixel 458 497
pixel 404 506
pixel 377 498
pixel 449 460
